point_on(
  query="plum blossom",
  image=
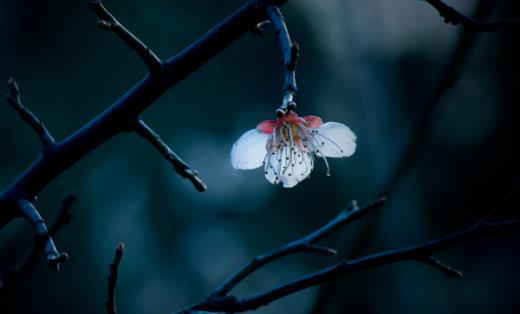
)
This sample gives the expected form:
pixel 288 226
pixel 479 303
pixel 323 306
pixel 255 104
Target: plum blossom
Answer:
pixel 287 147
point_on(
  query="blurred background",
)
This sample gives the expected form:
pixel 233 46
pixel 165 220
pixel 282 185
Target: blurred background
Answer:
pixel 374 65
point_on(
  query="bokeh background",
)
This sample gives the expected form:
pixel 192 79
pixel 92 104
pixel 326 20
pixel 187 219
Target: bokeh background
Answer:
pixel 371 64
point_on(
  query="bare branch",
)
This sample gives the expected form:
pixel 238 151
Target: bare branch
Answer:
pixel 13 98
pixel 304 244
pixel 290 55
pixel 109 23
pixel 421 252
pixel 122 115
pixel 54 258
pixel 452 16
pixel 64 217
pixel 178 164
pixel 446 269
pixel 110 304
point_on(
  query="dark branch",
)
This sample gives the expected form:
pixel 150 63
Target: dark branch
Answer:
pixel 64 217
pixel 113 269
pixel 446 269
pixel 452 16
pixel 290 56
pixel 13 98
pixel 178 164
pixel 54 258
pixel 304 244
pixel 421 252
pixel 109 23
pixel 124 113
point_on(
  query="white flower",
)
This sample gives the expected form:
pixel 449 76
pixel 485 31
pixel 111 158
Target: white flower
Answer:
pixel 286 147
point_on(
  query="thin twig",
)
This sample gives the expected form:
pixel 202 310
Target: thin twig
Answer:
pixel 421 252
pixel 109 23
pixel 452 16
pixel 64 217
pixel 54 258
pixel 113 268
pixel 13 98
pixel 445 268
pixel 305 244
pixel 290 56
pixel 178 164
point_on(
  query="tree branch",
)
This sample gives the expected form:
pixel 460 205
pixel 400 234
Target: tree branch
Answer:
pixel 178 164
pixel 421 252
pixel 305 244
pixel 109 23
pixel 452 16
pixel 64 217
pixel 290 55
pixel 110 304
pixel 54 258
pixel 124 113
pixel 13 98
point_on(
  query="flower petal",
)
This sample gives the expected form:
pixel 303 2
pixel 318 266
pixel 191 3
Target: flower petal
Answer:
pixel 249 151
pixel 266 126
pixel 288 166
pixel 335 140
pixel 313 121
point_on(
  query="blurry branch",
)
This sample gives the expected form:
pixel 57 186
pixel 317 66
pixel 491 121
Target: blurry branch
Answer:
pixel 452 16
pixel 64 217
pixel 221 302
pixel 109 23
pixel 290 51
pixel 124 113
pixel 178 164
pixel 414 138
pixel 13 98
pixel 113 269
pixel 305 244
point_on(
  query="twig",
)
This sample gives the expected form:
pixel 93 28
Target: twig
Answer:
pixel 446 269
pixel 109 23
pixel 421 252
pixel 64 217
pixel 452 16
pixel 178 164
pixel 290 55
pixel 305 244
pixel 113 269
pixel 54 258
pixel 13 98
